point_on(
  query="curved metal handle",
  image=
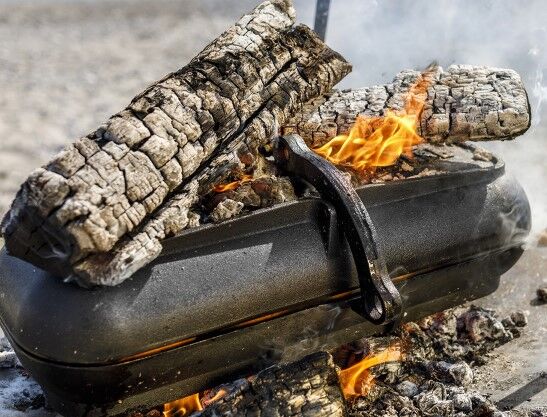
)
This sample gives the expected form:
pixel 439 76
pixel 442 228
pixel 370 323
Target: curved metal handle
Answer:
pixel 381 302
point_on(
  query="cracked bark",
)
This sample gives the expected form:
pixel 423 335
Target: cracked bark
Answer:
pixel 463 103
pixel 308 387
pixel 99 210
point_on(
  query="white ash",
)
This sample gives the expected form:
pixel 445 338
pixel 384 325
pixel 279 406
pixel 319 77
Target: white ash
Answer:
pixel 20 395
pixel 226 209
pixel 8 359
pixel 435 376
pixel 459 373
pixel 480 154
pixel 261 192
pixel 407 389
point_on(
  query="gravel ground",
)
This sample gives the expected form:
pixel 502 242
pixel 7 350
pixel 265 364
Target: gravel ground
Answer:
pixel 65 66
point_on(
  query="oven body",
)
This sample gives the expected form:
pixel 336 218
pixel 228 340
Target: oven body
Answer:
pixel 224 301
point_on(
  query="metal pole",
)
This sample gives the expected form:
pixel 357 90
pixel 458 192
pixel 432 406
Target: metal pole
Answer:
pixel 321 17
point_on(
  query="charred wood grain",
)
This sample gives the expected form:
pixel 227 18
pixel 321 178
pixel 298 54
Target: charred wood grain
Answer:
pixel 99 210
pixel 463 103
pixel 308 387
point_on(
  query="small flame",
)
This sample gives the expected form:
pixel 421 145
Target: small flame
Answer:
pixel 232 185
pixel 183 407
pixel 357 379
pixel 188 405
pixel 220 394
pixel 380 141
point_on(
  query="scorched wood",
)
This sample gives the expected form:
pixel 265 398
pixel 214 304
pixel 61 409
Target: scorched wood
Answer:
pixel 463 103
pixel 99 210
pixel 308 387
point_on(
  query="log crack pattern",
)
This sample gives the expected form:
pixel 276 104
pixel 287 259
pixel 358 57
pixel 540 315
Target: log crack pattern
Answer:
pixel 464 103
pixel 99 210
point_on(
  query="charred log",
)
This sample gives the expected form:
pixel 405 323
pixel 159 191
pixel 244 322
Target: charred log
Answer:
pixel 99 210
pixel 463 103
pixel 308 387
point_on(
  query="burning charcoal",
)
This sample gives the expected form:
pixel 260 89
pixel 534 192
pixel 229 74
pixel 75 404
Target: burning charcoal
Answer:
pixel 308 387
pixel 462 402
pixel 265 192
pixel 407 389
pixel 479 324
pixel 459 373
pixel 441 323
pixel 432 401
pixel 405 166
pixel 389 403
pixel 226 209
pixel 542 294
pixel 351 353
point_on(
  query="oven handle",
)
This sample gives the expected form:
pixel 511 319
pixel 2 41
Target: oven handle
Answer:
pixel 380 301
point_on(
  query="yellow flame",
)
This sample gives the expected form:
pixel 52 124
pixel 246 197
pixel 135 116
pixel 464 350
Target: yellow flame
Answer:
pixel 183 407
pixel 232 185
pixel 380 141
pixel 357 379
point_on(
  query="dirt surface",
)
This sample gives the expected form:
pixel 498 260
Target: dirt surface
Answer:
pixel 516 375
pixel 65 66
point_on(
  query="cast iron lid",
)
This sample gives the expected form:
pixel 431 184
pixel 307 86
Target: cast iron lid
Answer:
pixel 271 261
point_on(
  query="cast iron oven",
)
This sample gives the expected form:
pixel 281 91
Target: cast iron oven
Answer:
pixel 223 301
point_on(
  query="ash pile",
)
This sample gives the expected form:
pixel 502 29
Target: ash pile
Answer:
pixel 434 377
pixel 424 368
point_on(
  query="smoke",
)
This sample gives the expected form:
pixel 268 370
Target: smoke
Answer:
pixel 380 38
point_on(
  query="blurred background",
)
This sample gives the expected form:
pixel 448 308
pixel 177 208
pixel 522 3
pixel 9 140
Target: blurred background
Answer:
pixel 66 65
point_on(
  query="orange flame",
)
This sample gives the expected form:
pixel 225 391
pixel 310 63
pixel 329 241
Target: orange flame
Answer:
pixel 232 185
pixel 380 141
pixel 357 379
pixel 183 407
pixel 221 393
pixel 188 405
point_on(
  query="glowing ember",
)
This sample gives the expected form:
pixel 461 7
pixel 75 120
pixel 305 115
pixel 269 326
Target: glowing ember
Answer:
pixel 357 379
pixel 380 141
pixel 232 185
pixel 183 407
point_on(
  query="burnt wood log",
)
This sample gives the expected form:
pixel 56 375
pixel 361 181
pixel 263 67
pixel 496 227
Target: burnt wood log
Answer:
pixel 308 387
pixel 99 210
pixel 463 103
